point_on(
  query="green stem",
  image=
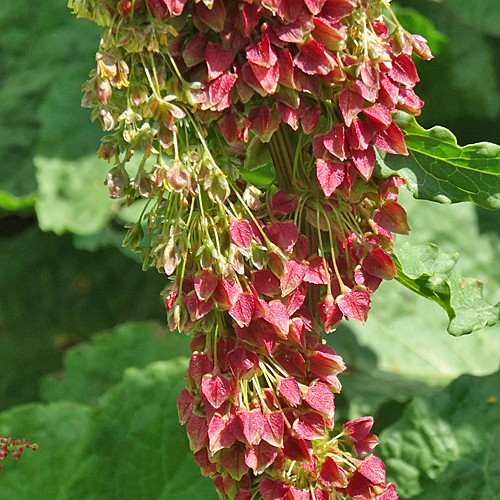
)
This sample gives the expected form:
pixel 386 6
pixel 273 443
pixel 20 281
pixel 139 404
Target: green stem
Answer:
pixel 282 145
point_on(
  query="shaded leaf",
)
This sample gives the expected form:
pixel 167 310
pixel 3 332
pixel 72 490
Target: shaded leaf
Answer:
pixel 366 389
pixel 437 169
pixel 257 155
pixel 445 443
pixel 430 274
pixel 130 446
pixel 56 297
pixel 463 70
pixel 484 15
pixel 59 74
pixel 93 368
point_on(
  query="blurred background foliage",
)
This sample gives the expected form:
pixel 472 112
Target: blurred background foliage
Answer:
pixel 104 411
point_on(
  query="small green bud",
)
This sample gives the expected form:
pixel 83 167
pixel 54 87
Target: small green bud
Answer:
pixel 134 236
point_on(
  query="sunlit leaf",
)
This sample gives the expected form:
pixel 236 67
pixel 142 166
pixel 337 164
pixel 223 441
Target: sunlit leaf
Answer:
pixel 406 332
pixel 438 169
pixel 426 271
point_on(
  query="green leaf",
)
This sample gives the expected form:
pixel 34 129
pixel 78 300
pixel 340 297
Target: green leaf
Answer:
pixel 257 155
pixel 61 430
pixel 480 15
pixel 92 369
pixel 257 167
pixel 426 271
pixel 406 332
pixel 464 72
pixel 31 71
pixel 366 388
pixel 437 169
pixel 444 446
pixel 71 195
pixel 54 296
pixel 139 450
pixel 131 446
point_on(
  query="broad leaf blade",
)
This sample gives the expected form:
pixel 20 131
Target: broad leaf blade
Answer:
pixel 72 195
pixel 139 450
pixel 131 446
pixel 483 15
pixel 61 430
pixel 37 83
pixel 366 388
pixel 406 332
pixel 91 369
pixel 426 271
pixel 446 444
pixel 437 169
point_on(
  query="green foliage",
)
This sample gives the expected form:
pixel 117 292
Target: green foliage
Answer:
pixel 445 445
pixel 92 369
pixel 365 387
pixel 406 331
pixel 71 195
pixel 461 83
pixel 429 273
pixel 56 297
pixel 482 15
pixel 438 169
pixel 43 49
pixel 130 446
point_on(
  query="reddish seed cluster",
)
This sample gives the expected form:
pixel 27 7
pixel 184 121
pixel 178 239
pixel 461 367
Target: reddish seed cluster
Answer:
pixel 257 277
pixel 15 447
pixel 261 384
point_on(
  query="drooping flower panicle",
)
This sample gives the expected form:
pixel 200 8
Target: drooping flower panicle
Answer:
pixel 201 91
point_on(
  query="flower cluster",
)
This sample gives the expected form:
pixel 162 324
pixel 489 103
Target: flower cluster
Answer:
pixel 204 90
pixel 15 447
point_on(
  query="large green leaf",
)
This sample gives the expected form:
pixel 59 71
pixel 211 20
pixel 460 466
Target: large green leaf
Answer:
pixel 61 430
pixel 438 169
pixel 446 445
pixel 407 332
pixel 139 450
pixel 365 387
pixel 54 296
pixel 92 369
pixel 426 271
pixel 71 195
pixel 461 82
pixel 481 15
pixel 130 447
pixel 43 47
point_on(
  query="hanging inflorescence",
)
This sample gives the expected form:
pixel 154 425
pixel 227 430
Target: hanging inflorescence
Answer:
pixel 193 94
